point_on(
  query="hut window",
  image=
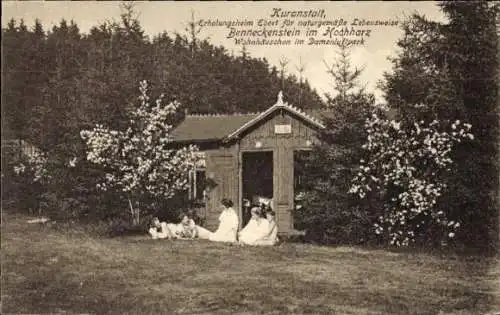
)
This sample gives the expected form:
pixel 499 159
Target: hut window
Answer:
pixel 300 158
pixel 197 180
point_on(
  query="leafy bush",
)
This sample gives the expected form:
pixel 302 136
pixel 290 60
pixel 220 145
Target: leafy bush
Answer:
pixel 406 168
pixel 139 164
pixel 19 189
pixel 328 220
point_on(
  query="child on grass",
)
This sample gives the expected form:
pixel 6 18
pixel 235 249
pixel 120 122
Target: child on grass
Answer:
pixel 186 229
pixel 160 230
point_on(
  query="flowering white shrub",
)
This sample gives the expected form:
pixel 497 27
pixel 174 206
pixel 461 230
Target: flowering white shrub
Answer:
pixel 138 160
pixel 405 167
pixel 36 166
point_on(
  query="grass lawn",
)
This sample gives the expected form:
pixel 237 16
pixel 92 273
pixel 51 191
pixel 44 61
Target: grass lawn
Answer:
pixel 48 271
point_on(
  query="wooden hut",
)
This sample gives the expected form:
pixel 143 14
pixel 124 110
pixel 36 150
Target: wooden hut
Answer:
pixel 248 156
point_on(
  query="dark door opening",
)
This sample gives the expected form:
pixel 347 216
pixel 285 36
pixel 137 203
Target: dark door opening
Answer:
pixel 300 158
pixel 257 171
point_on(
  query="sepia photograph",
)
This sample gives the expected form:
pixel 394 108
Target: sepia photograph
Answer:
pixel 274 157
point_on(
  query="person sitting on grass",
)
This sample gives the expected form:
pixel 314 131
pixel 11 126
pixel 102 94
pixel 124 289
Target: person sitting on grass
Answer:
pixel 228 225
pixel 160 230
pixel 270 236
pixel 255 229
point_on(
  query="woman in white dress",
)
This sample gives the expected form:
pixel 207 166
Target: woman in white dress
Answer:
pixel 255 229
pixel 228 225
pixel 270 236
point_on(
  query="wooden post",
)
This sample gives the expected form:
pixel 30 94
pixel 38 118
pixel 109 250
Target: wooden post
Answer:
pixel 498 135
pixel 239 166
pixel 190 182
pixel 194 185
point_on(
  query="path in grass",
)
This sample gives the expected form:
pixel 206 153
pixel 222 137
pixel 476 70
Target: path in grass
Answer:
pixel 44 271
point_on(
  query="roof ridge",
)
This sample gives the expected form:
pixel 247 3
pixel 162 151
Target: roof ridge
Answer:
pixel 301 111
pixel 206 115
pixel 279 104
pixel 285 104
pixel 221 114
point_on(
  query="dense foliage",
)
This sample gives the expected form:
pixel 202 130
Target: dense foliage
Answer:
pixel 448 72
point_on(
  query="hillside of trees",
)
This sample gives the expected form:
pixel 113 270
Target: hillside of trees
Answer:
pixel 60 81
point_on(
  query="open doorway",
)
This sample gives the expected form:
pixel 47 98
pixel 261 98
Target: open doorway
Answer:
pixel 257 171
pixel 300 159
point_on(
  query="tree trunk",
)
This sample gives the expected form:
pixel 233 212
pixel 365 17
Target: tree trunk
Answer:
pixel 134 213
pixel 137 218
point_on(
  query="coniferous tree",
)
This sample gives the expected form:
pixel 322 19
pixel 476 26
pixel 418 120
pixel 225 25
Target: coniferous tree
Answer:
pixel 17 74
pixel 10 85
pixel 330 213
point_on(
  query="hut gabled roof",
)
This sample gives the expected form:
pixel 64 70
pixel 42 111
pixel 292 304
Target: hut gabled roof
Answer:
pixel 227 127
pixel 209 127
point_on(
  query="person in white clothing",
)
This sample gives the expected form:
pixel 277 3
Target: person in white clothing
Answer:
pixel 160 230
pixel 254 217
pixel 255 229
pixel 186 229
pixel 228 225
pixel 270 236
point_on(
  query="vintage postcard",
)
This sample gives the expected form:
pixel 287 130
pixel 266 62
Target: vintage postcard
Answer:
pixel 250 157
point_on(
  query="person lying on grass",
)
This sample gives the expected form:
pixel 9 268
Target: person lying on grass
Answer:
pixel 186 229
pixel 160 230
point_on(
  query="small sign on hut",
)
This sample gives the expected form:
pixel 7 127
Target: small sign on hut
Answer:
pixel 282 129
